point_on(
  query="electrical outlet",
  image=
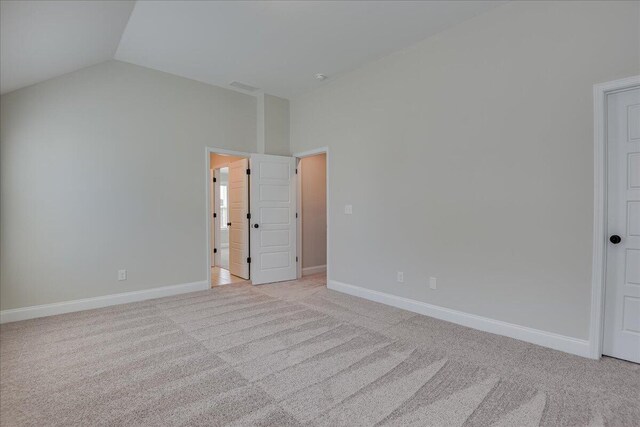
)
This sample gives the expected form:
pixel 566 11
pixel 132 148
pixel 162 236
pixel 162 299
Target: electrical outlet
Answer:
pixel 400 277
pixel 348 209
pixel 433 283
pixel 122 275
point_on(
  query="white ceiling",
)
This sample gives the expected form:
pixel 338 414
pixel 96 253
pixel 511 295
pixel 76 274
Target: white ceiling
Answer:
pixel 277 46
pixel 44 39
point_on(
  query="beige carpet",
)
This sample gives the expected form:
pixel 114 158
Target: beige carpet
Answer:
pixel 294 354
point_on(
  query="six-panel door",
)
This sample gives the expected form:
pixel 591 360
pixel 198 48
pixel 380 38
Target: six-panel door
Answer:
pixel 273 221
pixel 622 295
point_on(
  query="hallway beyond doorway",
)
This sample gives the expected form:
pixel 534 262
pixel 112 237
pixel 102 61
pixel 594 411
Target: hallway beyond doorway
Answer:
pixel 220 277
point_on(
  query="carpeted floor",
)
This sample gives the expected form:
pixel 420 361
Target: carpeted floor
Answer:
pixel 294 354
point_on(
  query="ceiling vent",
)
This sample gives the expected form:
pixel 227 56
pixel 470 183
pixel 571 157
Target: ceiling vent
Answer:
pixel 243 86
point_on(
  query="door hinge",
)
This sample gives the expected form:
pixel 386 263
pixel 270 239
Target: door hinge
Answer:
pixel 249 260
pixel 215 250
pixel 248 171
pixel 296 171
pixel 215 215
pixel 248 216
pixel 214 179
pixel 296 259
pixel 296 214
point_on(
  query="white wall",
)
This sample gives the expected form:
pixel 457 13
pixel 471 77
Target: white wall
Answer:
pixel 314 210
pixel 276 125
pixel 469 157
pixel 103 169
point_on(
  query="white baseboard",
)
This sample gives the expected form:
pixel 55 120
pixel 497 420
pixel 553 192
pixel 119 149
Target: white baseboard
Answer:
pixel 535 336
pixel 314 270
pixel 35 311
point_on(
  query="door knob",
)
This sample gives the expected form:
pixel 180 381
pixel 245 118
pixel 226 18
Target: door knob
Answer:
pixel 255 226
pixel 615 239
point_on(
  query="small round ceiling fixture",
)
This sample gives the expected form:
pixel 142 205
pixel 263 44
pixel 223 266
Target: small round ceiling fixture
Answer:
pixel 320 77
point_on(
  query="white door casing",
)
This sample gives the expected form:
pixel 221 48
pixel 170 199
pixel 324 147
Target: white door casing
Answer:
pixel 273 211
pixel 622 288
pixel 238 209
pixel 299 217
pixel 212 219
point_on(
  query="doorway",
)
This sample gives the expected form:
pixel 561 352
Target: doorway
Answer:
pixel 313 214
pixel 229 199
pixel 258 213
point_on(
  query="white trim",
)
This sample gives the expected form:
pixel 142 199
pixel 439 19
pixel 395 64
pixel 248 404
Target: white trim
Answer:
pixel 207 191
pixel 36 311
pixel 310 153
pixel 299 217
pixel 600 92
pixel 299 156
pixel 214 235
pixel 546 339
pixel 216 150
pixel 314 270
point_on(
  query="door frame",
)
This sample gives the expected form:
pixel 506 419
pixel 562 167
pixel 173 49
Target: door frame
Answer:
pixel 598 277
pixel 298 156
pixel 208 214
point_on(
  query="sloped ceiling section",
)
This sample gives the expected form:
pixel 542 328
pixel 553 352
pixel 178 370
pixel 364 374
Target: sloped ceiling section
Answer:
pixel 276 46
pixel 44 39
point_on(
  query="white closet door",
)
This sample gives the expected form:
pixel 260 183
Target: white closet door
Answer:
pixel 273 218
pixel 217 260
pixel 622 298
pixel 238 210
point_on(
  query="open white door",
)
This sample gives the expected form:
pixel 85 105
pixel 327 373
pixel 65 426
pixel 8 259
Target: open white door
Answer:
pixel 273 218
pixel 238 210
pixel 212 221
pixel 622 298
pixel 215 232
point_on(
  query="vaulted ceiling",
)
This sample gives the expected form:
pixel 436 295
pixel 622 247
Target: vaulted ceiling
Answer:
pixel 276 46
pixel 44 39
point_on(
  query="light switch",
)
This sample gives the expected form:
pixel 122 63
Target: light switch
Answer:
pixel 348 209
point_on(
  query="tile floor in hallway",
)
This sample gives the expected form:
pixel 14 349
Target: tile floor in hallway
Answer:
pixel 221 276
